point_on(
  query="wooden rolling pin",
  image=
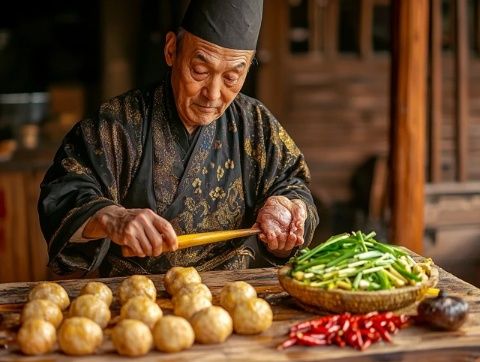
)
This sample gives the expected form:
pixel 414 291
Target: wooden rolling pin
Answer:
pixel 189 240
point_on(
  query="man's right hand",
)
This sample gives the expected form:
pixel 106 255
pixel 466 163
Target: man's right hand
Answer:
pixel 140 232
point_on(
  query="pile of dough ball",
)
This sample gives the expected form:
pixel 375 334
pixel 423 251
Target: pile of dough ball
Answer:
pixel 132 336
pixel 40 317
pixel 79 334
pixel 188 293
pixel 192 300
pixel 250 315
pixel 142 325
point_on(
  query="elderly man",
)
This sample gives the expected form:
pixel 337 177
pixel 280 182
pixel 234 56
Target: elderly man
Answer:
pixel 189 155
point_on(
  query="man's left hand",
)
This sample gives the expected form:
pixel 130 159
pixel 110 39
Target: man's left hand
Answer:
pixel 282 223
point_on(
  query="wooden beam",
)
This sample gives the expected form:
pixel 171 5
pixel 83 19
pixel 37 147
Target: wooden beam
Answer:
pixel 461 88
pixel 331 28
pixel 408 106
pixel 315 33
pixel 365 40
pixel 119 22
pixel 476 24
pixel 435 149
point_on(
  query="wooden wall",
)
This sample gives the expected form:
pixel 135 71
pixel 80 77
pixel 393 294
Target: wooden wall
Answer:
pixel 338 114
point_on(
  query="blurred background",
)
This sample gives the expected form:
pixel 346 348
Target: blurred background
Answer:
pixel 323 68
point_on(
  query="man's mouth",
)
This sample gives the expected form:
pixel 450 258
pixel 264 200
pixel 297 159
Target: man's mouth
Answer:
pixel 206 109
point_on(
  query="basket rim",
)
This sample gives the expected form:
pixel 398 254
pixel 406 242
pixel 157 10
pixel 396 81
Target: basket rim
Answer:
pixel 430 283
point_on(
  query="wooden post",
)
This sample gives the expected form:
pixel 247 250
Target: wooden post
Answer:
pixel 119 21
pixel 461 88
pixel 408 108
pixel 476 24
pixel 315 34
pixel 435 150
pixel 273 52
pixel 332 15
pixel 365 40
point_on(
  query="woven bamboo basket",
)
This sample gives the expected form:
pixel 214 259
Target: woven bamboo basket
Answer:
pixel 341 301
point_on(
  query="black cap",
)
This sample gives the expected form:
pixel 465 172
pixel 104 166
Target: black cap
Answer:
pixel 233 24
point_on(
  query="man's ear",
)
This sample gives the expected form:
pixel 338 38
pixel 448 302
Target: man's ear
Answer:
pixel 170 48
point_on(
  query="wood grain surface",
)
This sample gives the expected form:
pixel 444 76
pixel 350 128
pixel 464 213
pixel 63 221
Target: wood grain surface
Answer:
pixel 414 343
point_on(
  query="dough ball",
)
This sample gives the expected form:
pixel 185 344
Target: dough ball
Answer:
pixel 91 307
pixel 137 285
pixel 233 293
pixel 198 290
pixel 178 277
pixel 132 338
pixel 143 309
pixel 42 309
pixel 51 291
pixel 36 336
pixel 212 325
pixel 252 316
pixel 187 305
pixel 173 334
pixel 79 336
pixel 100 290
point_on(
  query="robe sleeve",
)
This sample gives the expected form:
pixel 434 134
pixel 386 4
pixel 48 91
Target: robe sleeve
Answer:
pixel 91 170
pixel 282 170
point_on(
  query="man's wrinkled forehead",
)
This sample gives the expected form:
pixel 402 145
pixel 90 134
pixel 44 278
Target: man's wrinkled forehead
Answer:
pixel 206 52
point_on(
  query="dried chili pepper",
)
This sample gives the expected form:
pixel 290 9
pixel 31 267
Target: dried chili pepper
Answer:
pixel 357 331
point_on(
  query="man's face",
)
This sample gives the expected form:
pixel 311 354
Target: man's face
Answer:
pixel 205 78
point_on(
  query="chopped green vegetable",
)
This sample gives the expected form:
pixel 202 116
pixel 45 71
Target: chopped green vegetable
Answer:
pixel 357 261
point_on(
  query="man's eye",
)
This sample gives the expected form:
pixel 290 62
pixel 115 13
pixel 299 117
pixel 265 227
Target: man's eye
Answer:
pixel 200 71
pixel 231 80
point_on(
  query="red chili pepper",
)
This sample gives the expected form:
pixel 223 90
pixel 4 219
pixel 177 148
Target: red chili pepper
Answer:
pixel 385 335
pixel 308 340
pixel 357 331
pixel 346 325
pixel 319 329
pixel 287 343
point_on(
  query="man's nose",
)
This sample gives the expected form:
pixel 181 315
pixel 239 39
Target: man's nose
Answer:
pixel 212 90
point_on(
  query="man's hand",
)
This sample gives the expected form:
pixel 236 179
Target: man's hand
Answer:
pixel 282 223
pixel 140 232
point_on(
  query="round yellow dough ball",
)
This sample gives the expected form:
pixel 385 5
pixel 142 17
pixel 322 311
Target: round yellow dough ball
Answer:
pixel 137 285
pixel 143 309
pixel 53 292
pixel 173 334
pixel 79 336
pixel 198 290
pixel 91 307
pixel 178 277
pixel 132 338
pixel 99 290
pixel 252 316
pixel 42 309
pixel 187 305
pixel 235 292
pixel 211 325
pixel 36 336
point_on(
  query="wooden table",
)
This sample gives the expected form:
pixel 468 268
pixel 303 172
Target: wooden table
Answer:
pixel 412 344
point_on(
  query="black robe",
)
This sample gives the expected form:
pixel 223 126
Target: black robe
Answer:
pixel 136 153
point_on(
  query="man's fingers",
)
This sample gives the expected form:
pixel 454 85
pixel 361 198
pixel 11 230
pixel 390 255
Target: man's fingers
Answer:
pixel 169 236
pixel 144 242
pixel 272 241
pixel 291 241
pixel 300 241
pixel 136 249
pixel 155 238
pixel 127 252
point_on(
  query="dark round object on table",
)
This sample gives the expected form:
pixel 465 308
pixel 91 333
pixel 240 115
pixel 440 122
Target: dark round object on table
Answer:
pixel 444 312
